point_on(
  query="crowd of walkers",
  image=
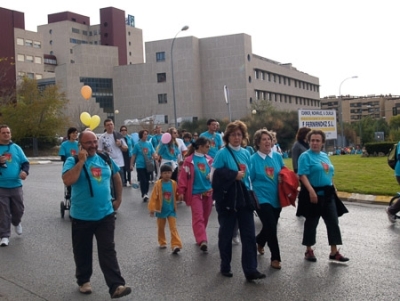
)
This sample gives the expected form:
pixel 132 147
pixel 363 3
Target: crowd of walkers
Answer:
pixel 238 175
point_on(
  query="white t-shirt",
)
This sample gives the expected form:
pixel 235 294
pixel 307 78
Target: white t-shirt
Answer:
pixel 182 148
pixel 107 144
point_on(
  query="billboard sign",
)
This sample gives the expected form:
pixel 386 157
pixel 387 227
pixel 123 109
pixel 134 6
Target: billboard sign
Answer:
pixel 324 120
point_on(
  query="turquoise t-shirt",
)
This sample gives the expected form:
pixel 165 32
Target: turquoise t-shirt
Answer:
pixel 83 205
pixel 168 207
pixel 155 140
pixel 215 142
pixel 68 149
pixel 317 167
pixel 201 171
pixel 142 147
pixel 129 143
pixel 264 177
pixel 223 158
pixel 397 167
pixel 9 176
pixel 169 152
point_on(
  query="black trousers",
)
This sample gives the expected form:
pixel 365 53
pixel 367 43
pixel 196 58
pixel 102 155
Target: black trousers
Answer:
pixel 82 244
pixel 269 217
pixel 227 220
pixel 144 178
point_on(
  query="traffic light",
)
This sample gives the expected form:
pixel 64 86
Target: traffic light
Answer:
pixel 394 111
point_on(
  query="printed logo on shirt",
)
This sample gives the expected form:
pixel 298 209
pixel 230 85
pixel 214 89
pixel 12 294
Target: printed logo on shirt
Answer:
pixel 73 152
pixel 270 172
pixel 212 144
pixel 172 151
pixel 8 157
pixel 201 167
pixel 145 150
pixel 167 196
pixel 96 173
pixel 325 166
pixel 242 167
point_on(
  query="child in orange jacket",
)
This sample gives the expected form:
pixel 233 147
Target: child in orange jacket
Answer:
pixel 162 204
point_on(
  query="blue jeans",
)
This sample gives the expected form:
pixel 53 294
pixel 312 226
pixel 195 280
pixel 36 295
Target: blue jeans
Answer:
pixel 227 220
pixel 82 244
pixel 330 217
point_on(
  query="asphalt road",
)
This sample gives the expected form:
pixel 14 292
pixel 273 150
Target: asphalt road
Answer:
pixel 39 264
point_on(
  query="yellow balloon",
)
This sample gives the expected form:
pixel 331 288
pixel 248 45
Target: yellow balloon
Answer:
pixel 94 122
pixel 85 118
pixel 86 92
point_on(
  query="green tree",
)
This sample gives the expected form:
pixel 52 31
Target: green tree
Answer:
pixel 37 113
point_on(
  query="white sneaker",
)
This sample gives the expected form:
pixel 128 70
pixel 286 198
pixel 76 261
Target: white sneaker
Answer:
pixel 18 229
pixel 145 198
pixel 4 242
pixel 236 240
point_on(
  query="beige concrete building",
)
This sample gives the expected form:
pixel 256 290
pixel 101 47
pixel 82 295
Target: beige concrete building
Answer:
pixel 357 107
pixel 109 57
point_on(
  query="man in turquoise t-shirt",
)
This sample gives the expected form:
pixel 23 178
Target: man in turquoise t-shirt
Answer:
pixel 214 137
pixel 92 215
pixel 14 167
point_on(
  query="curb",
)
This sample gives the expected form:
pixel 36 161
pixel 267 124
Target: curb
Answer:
pixel 364 198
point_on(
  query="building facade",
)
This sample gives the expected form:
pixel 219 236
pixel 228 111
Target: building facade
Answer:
pixel 109 57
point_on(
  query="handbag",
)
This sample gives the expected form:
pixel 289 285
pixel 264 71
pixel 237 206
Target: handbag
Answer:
pixel 251 195
pixel 149 163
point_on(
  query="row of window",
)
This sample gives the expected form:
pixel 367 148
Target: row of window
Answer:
pixel 84 32
pixel 280 79
pixel 30 75
pixel 29 43
pixel 265 95
pixel 29 58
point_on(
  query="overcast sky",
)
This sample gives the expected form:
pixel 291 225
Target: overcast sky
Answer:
pixel 332 40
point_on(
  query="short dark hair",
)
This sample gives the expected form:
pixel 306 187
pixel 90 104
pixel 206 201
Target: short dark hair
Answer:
pixel 302 133
pixel 165 167
pixel 141 132
pixel 70 131
pixel 107 120
pixel 211 120
pixel 316 132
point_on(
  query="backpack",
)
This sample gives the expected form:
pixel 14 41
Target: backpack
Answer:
pixel 107 159
pixel 392 157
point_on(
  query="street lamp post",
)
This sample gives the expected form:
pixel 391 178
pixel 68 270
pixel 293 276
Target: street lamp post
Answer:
pixel 341 109
pixel 172 72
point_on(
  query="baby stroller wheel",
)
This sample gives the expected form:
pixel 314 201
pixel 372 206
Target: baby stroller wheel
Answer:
pixel 62 209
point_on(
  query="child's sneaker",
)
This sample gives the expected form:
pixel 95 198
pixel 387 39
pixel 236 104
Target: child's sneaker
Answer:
pixel 163 246
pixel 176 250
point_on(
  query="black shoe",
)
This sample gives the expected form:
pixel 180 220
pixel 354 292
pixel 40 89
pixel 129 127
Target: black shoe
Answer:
pixel 227 274
pixel 255 276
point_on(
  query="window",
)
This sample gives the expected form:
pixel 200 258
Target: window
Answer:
pixel 29 58
pixel 84 32
pixel 166 119
pixel 162 98
pixel 20 41
pixel 95 32
pixel 37 44
pixel 51 42
pixel 30 75
pixel 21 74
pixel 288 81
pixel 50 31
pixel 29 43
pixel 161 77
pixel 71 51
pixel 160 56
pixel 38 60
pixel 257 95
pixel 21 58
pixel 38 76
pixel 75 30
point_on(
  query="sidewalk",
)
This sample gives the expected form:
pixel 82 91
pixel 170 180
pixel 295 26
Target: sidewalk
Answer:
pixel 344 196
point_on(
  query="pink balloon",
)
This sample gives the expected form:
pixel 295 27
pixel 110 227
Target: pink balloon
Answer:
pixel 166 138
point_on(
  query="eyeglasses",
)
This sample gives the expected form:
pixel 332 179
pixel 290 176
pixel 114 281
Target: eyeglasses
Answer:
pixel 207 146
pixel 123 130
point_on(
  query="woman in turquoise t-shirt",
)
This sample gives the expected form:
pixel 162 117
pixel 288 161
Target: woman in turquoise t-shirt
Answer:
pixel 318 197
pixel 265 167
